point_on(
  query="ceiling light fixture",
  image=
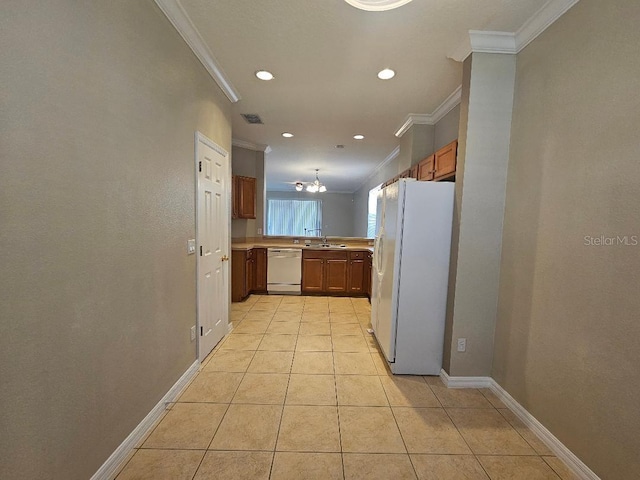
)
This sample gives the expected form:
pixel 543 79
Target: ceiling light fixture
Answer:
pixel 316 186
pixel 377 5
pixel 386 74
pixel 287 135
pixel 358 137
pixel 299 186
pixel 264 75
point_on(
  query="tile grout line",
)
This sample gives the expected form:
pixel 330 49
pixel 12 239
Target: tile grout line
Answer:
pixel 284 401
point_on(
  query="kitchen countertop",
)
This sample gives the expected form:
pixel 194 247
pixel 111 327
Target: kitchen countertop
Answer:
pixel 271 244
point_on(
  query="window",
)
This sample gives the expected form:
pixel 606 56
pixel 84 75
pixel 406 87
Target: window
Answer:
pixel 373 204
pixel 297 218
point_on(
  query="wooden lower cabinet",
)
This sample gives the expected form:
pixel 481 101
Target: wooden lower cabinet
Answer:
pixel 312 274
pixel 336 275
pixel 334 272
pixel 260 258
pixel 368 270
pixel 357 272
pixel 248 272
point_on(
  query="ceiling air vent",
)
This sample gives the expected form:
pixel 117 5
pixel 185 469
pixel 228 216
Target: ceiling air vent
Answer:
pixel 252 118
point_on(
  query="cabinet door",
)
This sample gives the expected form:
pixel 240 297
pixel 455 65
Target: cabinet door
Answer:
pixel 234 197
pixel 356 276
pixel 336 275
pixel 238 278
pixel 250 274
pixel 445 162
pixel 425 168
pixel 367 273
pixel 246 197
pixel 260 258
pixel 413 173
pixel 312 274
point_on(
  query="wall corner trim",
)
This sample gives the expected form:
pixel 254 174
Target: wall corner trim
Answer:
pixel 113 463
pixel 577 466
pixel 176 14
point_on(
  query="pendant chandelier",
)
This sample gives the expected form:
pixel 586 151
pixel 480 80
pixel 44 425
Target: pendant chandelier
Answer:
pixel 314 187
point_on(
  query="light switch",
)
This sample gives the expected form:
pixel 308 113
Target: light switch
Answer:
pixel 191 246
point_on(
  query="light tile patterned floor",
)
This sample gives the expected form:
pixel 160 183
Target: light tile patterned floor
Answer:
pixel 299 390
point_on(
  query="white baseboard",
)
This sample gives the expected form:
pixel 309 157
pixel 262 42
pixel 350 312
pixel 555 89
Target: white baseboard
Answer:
pixel 577 467
pixel 110 467
pixel 465 382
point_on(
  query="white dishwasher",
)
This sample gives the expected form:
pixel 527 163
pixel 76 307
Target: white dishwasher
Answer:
pixel 284 270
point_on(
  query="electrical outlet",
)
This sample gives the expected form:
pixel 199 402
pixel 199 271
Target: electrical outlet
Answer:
pixel 462 344
pixel 259 231
pixel 193 333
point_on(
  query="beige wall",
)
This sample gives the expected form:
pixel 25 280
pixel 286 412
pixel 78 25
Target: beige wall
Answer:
pixel 566 344
pixel 100 102
pixel 249 163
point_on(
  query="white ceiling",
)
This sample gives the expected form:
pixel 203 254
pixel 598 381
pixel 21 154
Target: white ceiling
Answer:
pixel 325 55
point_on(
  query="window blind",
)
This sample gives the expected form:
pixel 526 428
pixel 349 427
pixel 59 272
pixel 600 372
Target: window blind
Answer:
pixel 294 217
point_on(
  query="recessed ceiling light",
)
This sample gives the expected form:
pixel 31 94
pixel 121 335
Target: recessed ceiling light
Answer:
pixel 287 135
pixel 358 137
pixel 386 74
pixel 377 5
pixel 264 75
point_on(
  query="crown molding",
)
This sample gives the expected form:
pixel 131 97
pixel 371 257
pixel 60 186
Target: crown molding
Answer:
pixel 256 147
pixel 513 42
pixel 449 104
pixel 394 153
pixel 492 42
pixel 414 119
pixel 541 20
pixel 431 118
pixel 176 14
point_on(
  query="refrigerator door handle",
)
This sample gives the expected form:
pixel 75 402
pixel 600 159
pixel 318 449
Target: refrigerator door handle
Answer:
pixel 379 257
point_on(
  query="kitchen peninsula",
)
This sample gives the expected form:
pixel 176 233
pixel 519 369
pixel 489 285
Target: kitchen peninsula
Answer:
pixel 342 267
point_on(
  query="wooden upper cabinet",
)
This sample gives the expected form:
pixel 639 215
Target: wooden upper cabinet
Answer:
pixel 445 160
pixel 425 168
pixel 244 197
pixel 413 172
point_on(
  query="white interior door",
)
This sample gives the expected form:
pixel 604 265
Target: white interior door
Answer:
pixel 212 232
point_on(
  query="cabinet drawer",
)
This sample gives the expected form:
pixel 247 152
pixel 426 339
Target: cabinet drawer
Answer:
pixel 331 254
pixel 357 255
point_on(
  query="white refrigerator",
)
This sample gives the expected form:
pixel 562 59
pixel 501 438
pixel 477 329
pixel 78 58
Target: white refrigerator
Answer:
pixel 410 274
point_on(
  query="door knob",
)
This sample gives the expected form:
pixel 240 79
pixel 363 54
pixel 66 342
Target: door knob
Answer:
pixel 224 258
